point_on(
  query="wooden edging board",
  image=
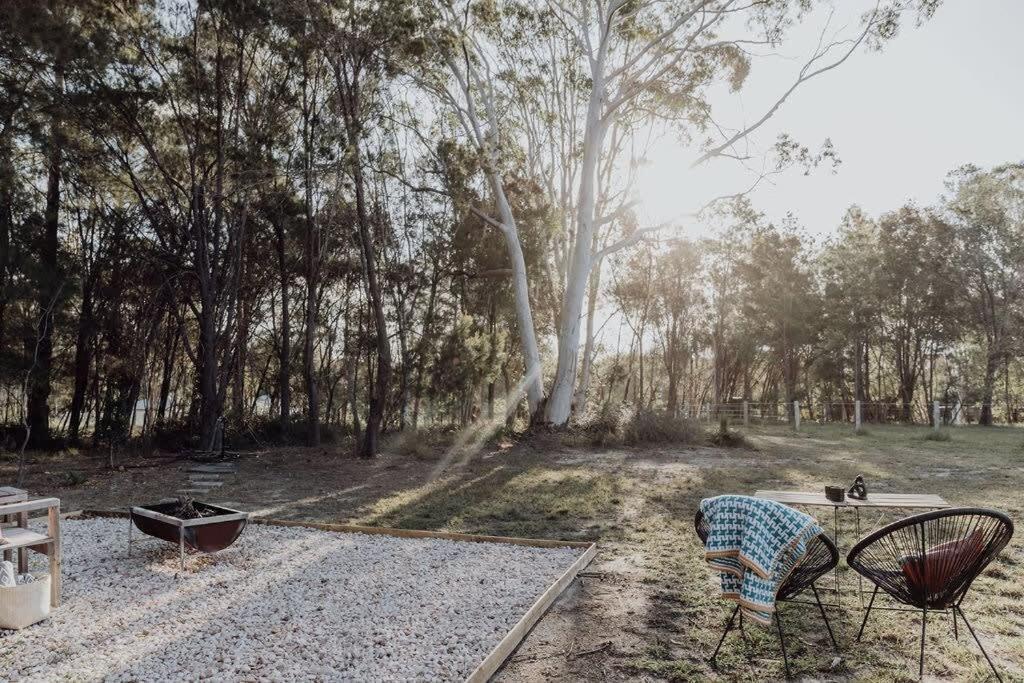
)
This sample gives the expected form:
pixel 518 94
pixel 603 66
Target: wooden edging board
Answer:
pixel 504 649
pixel 493 661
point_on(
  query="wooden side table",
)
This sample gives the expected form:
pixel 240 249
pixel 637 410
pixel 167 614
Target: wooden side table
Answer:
pixel 9 494
pixel 23 539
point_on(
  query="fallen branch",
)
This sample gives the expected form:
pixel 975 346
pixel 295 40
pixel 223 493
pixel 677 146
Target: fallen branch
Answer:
pixel 600 648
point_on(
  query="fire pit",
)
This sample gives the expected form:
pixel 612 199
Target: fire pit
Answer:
pixel 202 526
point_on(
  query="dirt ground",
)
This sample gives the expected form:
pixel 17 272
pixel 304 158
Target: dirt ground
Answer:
pixel 646 608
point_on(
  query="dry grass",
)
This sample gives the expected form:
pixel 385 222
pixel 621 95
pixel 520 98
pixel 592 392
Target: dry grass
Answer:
pixel 649 593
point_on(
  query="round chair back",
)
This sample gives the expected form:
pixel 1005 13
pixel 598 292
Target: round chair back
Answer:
pixel 821 557
pixel 930 560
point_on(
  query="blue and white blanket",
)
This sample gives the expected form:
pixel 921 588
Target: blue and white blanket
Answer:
pixel 754 544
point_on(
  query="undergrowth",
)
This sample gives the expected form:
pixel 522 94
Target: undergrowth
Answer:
pixel 728 438
pixel 941 435
pixel 617 425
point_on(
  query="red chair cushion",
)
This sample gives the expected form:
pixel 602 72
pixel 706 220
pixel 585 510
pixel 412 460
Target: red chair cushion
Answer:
pixel 941 563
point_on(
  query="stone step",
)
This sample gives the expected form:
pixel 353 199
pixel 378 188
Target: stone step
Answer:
pixel 214 468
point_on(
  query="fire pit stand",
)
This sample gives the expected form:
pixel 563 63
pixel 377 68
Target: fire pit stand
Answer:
pixel 215 531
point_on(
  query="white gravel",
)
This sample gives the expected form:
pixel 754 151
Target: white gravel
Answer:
pixel 282 604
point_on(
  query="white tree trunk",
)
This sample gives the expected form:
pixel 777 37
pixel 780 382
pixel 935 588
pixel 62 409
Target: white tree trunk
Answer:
pixel 588 345
pixel 524 314
pixel 559 407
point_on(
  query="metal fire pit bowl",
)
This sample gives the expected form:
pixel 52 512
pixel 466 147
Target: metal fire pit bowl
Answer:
pixel 205 534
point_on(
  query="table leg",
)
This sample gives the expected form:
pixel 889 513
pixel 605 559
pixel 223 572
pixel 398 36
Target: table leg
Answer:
pixel 860 579
pixel 835 539
pixel 8 554
pixel 23 552
pixel 181 546
pixel 54 553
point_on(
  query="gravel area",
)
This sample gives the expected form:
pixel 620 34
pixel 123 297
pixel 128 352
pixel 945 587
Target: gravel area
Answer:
pixel 281 604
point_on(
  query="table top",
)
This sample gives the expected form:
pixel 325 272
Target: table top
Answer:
pixel 875 500
pixel 9 494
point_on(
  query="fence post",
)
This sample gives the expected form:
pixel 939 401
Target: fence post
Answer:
pixel 746 413
pixel 856 416
pixel 936 415
pixel 796 415
pixel 957 415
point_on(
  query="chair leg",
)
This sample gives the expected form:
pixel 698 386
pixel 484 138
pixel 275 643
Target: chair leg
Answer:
pixel 956 632
pixel 824 617
pixel 867 614
pixel 728 627
pixel 980 646
pixel 920 665
pixel 782 641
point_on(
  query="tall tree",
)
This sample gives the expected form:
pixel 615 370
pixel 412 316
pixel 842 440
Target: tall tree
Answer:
pixel 987 208
pixel 363 42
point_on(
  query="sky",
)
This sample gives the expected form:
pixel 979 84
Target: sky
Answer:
pixel 938 96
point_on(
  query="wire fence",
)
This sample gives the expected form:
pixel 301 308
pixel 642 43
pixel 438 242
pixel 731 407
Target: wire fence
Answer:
pixel 855 413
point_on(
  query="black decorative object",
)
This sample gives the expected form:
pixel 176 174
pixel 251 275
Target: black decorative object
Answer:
pixel 929 561
pixel 859 490
pixel 835 493
pixel 821 558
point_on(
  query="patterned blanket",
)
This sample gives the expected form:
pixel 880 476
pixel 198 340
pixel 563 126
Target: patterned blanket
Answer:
pixel 754 544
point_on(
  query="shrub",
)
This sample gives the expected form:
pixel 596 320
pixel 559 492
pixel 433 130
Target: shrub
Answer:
pixel 262 431
pixel 174 436
pixel 728 438
pixel 619 425
pixel 650 426
pixel 940 435
pixel 606 426
pixel 421 444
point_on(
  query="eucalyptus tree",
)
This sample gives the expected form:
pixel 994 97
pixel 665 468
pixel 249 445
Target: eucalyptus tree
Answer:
pixel 987 212
pixel 678 308
pixel 847 269
pixel 365 43
pixel 52 56
pixel 183 155
pixel 912 282
pixel 780 298
pixel 471 92
pixel 663 57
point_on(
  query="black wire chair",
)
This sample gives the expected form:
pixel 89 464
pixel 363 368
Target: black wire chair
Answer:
pixel 929 561
pixel 821 558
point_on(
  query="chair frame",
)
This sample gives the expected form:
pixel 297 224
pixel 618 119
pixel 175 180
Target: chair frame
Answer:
pixel 796 583
pixel 952 602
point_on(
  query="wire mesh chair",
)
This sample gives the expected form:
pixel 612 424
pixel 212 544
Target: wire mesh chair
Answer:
pixel 821 558
pixel 929 561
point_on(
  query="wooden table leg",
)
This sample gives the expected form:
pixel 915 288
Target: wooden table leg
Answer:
pixel 8 554
pixel 23 552
pixel 53 554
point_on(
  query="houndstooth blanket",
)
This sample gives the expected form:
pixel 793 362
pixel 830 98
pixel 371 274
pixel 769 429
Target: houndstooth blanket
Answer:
pixel 754 545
